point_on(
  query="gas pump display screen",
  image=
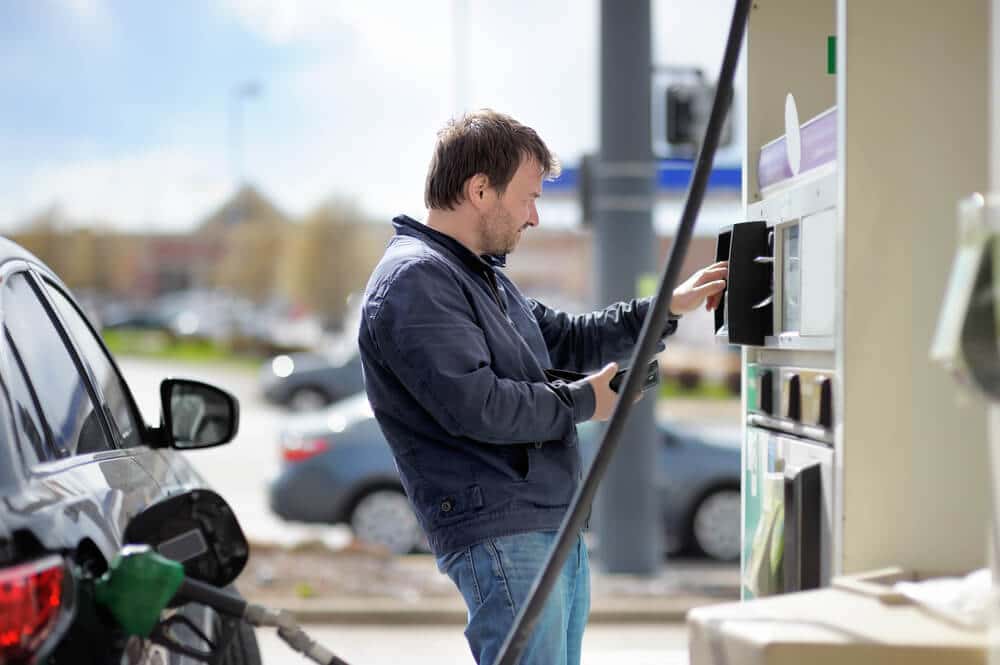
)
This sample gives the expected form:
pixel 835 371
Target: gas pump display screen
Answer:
pixel 791 280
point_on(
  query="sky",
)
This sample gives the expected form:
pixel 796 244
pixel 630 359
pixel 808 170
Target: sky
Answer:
pixel 136 115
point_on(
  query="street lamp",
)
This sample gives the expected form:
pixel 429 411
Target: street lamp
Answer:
pixel 243 92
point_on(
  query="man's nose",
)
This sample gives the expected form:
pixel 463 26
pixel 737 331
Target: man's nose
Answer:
pixel 533 216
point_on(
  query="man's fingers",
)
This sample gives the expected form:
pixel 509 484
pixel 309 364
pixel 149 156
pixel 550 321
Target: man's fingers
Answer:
pixel 712 274
pixel 710 289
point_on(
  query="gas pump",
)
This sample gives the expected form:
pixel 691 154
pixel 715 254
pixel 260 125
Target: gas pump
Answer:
pixel 778 307
pixel 966 341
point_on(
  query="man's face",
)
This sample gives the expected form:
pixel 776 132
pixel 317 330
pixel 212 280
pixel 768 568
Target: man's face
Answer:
pixel 514 211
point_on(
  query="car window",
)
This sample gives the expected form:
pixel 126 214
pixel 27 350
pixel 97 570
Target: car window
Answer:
pixel 8 469
pixel 110 383
pixel 66 404
pixel 32 436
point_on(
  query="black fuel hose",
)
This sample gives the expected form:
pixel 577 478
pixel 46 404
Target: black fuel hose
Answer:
pixel 257 615
pixel 656 321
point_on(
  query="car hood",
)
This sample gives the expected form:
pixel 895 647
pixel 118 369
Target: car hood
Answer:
pixel 332 420
pixel 308 361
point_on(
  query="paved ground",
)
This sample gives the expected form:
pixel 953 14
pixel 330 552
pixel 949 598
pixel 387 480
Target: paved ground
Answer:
pixel 407 645
pixel 355 586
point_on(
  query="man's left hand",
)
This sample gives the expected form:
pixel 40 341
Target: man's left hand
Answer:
pixel 706 285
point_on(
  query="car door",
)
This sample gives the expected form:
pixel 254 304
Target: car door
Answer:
pixel 108 468
pixel 168 469
pixel 76 464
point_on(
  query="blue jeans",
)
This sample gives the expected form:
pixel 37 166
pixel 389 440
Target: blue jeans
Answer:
pixel 495 577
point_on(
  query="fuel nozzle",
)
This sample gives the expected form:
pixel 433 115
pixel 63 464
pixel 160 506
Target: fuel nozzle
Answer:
pixel 137 586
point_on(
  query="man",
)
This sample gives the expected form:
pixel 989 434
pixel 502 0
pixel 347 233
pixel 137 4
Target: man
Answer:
pixel 454 360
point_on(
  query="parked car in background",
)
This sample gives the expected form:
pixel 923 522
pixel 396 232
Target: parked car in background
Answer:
pixel 311 380
pixel 338 468
pixel 76 463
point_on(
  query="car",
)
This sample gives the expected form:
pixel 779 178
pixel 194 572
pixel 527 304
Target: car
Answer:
pixel 337 468
pixel 77 462
pixel 312 380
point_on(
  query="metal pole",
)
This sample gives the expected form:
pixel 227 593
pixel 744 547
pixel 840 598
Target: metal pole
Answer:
pixel 627 517
pixel 994 409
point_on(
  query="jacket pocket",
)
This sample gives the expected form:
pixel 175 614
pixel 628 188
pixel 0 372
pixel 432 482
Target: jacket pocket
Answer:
pixel 458 504
pixel 517 460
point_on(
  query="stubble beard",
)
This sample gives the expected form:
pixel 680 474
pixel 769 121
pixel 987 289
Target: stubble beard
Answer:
pixel 498 232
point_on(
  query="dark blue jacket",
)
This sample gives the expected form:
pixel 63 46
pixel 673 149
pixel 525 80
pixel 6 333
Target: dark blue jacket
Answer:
pixel 454 359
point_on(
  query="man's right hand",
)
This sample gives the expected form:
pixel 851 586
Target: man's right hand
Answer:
pixel 604 396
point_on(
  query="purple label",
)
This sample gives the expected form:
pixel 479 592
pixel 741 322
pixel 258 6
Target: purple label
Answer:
pixel 773 165
pixel 819 146
pixel 819 141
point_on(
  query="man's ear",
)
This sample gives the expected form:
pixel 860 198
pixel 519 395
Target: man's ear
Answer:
pixel 477 190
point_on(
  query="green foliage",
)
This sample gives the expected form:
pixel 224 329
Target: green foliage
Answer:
pixel 704 390
pixel 160 345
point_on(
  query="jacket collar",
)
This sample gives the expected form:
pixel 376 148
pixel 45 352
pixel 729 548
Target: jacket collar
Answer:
pixel 407 226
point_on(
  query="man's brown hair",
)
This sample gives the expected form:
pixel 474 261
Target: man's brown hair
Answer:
pixel 484 142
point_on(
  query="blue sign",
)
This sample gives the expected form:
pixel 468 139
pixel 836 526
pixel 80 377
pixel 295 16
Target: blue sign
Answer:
pixel 672 175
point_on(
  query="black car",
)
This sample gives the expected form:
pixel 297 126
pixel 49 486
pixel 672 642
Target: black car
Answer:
pixel 77 462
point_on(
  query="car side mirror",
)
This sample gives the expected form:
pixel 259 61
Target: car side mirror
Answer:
pixel 197 415
pixel 198 530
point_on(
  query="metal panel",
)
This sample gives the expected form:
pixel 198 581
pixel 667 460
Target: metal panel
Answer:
pixel 817 262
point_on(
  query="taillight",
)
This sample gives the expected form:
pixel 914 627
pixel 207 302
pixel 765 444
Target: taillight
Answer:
pixel 30 597
pixel 296 450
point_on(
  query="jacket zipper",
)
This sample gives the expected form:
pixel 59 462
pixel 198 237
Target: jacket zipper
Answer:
pixel 495 292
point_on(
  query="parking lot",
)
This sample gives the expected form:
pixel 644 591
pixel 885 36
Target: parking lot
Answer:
pixel 240 470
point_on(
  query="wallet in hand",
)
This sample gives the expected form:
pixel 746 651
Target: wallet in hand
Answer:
pixel 652 376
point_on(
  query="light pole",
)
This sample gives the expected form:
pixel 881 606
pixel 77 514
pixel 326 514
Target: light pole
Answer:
pixel 627 515
pixel 243 92
pixel 460 52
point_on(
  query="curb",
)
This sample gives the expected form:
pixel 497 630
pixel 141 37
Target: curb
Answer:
pixel 391 611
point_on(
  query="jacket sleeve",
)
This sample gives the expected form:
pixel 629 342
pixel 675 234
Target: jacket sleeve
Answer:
pixel 586 342
pixel 427 335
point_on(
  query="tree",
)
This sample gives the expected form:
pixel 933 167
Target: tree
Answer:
pixel 249 266
pixel 42 234
pixel 85 257
pixel 329 257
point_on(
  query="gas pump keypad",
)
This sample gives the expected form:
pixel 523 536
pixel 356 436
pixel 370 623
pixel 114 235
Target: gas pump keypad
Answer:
pixel 791 397
pixel 825 417
pixel 807 397
pixel 791 394
pixel 765 393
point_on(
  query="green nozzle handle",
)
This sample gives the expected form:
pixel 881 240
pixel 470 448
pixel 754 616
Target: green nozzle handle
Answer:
pixel 138 585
